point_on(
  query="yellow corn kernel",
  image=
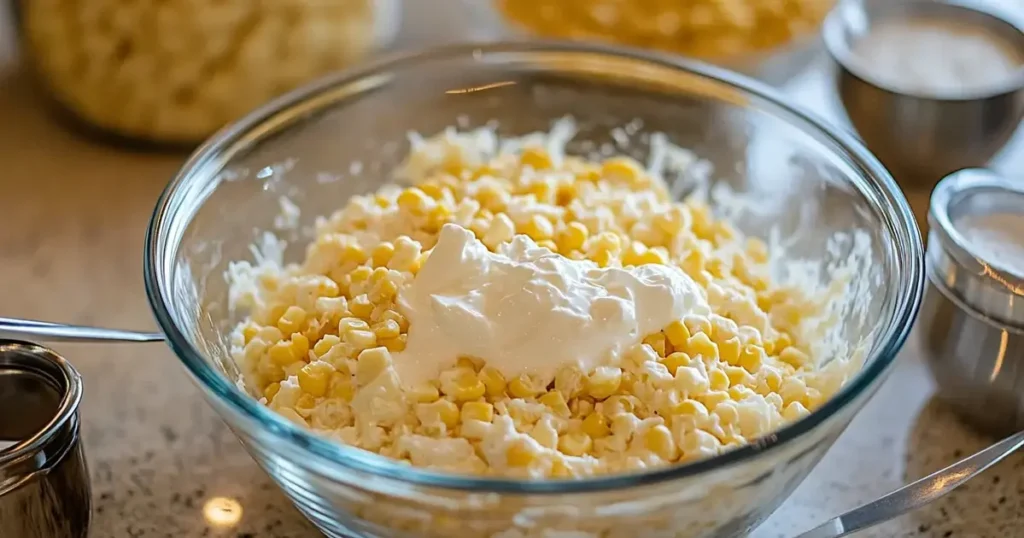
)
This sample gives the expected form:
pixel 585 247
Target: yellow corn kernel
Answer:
pixel 606 241
pixel 573 237
pixel 560 470
pixel 520 453
pixel 622 169
pixel 677 334
pixel 325 344
pixel 448 411
pixel 602 258
pixel 565 194
pixel 717 267
pixel 738 376
pixel 414 201
pixel 701 344
pixel 794 411
pixel 396 344
pixel 697 324
pixel 718 380
pixel 536 158
pixel 729 350
pixel 596 426
pixel 548 244
pixel 306 402
pixel 675 361
pixel 794 357
pixel 524 387
pixel 751 358
pixel 657 341
pixel 693 263
pixel 425 393
pixel 738 392
pixel 249 332
pixel 493 381
pixel 314 378
pixel 712 399
pixel 727 413
pixel 537 227
pixel 659 441
pixel 543 191
pixel 361 339
pixel 654 255
pixel 341 387
pixel 387 329
pixel 352 324
pixel 569 381
pixel 773 379
pixel 482 411
pixel 433 189
pixel 575 444
pixel 632 255
pixel 291 321
pixel 282 354
pixel 469 363
pixel 556 402
pixel 371 363
pixel 382 253
pixel 690 408
pixel 603 382
pixel 271 391
pixel 397 317
pixel 293 369
pixel 360 306
pixel 464 386
pixel 435 218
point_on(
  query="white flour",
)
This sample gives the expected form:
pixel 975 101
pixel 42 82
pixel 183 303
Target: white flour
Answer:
pixel 997 239
pixel 936 58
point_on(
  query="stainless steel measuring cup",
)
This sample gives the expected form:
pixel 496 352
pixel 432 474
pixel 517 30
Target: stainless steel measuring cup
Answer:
pixel 44 481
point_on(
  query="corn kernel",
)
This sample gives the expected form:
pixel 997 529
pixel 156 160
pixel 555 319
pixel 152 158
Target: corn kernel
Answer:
pixel 493 381
pixel 657 341
pixel 463 385
pixel 697 324
pixel 794 357
pixel 556 402
pixel 622 169
pixel 794 411
pixel 524 387
pixel 397 317
pixel 691 408
pixel 675 361
pixel 738 376
pixel 729 350
pixel 448 412
pixel 659 441
pixel 751 358
pixel 575 444
pixel 425 393
pixel 569 381
pixel 314 377
pixel 548 244
pixel 520 453
pixel 701 344
pixel 482 411
pixel 352 324
pixel 396 344
pixel 677 334
pixel 271 391
pixel 300 346
pixel 382 253
pixel 361 339
pixel 573 237
pixel 282 354
pixel 603 382
pixel 727 413
pixel 249 332
pixel 387 329
pixel 718 379
pixel 325 344
pixel 536 158
pixel 360 306
pixel 469 363
pixel 371 363
pixel 537 227
pixel 414 201
pixel 596 426
pixel 617 404
pixel 712 399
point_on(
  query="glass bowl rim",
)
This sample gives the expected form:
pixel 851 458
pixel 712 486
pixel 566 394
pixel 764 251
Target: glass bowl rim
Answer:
pixel 343 459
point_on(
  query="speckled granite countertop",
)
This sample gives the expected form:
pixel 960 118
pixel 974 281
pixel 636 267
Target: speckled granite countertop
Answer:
pixel 74 218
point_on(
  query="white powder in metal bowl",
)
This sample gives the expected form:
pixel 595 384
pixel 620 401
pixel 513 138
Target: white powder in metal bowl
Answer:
pixel 996 238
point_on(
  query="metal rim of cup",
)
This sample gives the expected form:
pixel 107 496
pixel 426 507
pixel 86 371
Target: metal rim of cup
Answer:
pixel 27 458
pixel 978 283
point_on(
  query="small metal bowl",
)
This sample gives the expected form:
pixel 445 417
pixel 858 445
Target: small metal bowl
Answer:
pixel 922 138
pixel 971 325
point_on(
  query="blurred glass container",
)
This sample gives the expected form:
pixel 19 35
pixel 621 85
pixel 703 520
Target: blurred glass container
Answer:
pixel 174 71
pixel 772 40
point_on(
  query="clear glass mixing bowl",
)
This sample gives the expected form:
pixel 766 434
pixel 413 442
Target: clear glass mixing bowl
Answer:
pixel 321 144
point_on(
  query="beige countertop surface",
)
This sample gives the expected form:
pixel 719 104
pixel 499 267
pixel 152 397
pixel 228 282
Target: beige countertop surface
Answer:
pixel 75 213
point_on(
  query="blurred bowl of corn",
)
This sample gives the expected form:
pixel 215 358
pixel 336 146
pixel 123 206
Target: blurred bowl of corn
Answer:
pixel 770 40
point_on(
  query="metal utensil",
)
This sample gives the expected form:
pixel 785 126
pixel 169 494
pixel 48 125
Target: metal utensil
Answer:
pixel 922 138
pixel 55 332
pixel 971 325
pixel 917 494
pixel 44 480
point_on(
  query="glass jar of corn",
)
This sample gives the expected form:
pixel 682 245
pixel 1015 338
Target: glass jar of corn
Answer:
pixel 721 31
pixel 174 71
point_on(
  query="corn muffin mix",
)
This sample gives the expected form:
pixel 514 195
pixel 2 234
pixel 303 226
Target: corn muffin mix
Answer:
pixel 515 311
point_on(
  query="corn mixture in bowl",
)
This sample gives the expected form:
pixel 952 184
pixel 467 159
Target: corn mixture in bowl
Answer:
pixel 603 294
pixel 330 344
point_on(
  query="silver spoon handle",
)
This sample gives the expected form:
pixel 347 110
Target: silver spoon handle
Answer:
pixel 916 494
pixel 21 329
